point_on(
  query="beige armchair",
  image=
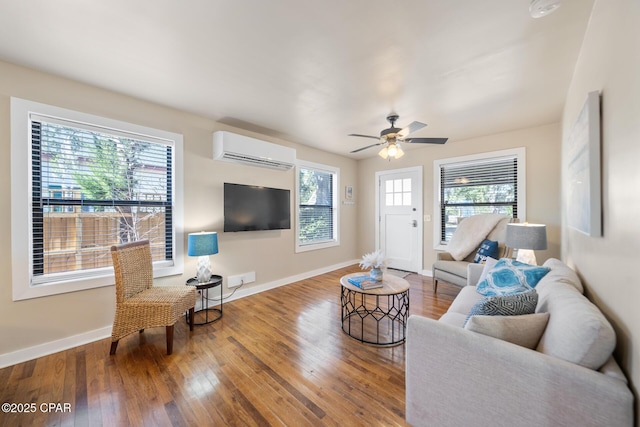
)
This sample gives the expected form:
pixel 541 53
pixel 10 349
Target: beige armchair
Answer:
pixel 141 305
pixel 448 269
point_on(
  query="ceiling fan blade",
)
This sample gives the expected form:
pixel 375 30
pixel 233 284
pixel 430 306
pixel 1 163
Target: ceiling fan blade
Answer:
pixel 364 136
pixel 411 128
pixel 368 146
pixel 426 140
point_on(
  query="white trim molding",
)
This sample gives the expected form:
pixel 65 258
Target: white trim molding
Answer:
pixel 51 347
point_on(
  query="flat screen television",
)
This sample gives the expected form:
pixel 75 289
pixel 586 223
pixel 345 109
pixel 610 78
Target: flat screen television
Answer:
pixel 249 207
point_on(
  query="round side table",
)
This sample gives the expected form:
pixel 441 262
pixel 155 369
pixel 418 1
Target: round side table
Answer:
pixel 376 316
pixel 204 296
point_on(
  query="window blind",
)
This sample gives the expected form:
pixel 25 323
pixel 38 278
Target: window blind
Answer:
pixel 316 209
pixel 91 189
pixel 487 186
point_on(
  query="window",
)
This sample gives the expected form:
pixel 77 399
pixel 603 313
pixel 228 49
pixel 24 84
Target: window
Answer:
pixel 90 183
pixel 478 184
pixel 397 192
pixel 317 202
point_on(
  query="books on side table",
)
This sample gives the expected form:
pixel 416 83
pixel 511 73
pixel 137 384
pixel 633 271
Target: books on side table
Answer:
pixel 364 282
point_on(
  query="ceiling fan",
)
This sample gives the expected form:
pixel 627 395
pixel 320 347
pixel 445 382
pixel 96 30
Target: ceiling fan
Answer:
pixel 393 136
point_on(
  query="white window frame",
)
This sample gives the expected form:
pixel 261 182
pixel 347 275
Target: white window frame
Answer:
pixel 519 153
pixel 335 241
pixel 21 220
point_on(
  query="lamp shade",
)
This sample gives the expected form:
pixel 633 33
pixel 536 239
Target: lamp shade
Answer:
pixel 201 244
pixel 526 236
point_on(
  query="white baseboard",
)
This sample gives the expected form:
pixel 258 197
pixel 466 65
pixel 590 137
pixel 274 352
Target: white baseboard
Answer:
pixel 241 293
pixel 51 347
pixel 428 273
pixel 66 343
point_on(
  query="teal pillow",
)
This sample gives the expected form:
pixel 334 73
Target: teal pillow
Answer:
pixel 487 249
pixel 509 277
pixel 507 305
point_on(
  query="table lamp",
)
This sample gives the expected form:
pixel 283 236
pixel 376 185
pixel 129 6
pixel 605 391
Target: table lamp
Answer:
pixel 202 245
pixel 524 239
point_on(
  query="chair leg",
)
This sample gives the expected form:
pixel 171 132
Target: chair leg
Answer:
pixel 141 331
pixel 169 339
pixel 435 286
pixel 114 345
pixel 191 313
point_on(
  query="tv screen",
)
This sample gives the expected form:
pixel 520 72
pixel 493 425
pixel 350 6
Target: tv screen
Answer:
pixel 248 207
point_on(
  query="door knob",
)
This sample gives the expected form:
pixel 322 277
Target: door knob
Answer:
pixel 414 223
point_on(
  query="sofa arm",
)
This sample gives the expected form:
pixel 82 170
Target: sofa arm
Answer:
pixel 444 256
pixel 455 377
pixel 474 271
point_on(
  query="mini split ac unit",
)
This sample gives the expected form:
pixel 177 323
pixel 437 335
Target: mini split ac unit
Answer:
pixel 231 147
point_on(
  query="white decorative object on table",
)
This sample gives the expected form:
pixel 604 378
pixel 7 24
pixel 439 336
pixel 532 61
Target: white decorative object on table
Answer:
pixel 375 261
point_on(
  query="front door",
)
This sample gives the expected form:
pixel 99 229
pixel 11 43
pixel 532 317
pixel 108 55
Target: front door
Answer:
pixel 400 218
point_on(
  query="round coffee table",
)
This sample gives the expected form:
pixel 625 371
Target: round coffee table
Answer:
pixel 375 316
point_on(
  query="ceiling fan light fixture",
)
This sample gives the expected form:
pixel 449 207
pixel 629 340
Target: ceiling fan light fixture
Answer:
pixel 392 150
pixel 391 137
pixel 540 8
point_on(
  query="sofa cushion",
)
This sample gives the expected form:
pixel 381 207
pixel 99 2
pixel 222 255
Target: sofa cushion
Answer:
pixel 560 273
pixel 453 319
pixel 509 277
pixel 577 331
pixel 487 249
pixel 506 305
pixel 466 299
pixel 524 330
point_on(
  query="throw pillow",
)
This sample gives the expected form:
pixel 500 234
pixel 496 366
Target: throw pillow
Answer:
pixel 488 266
pixel 509 277
pixel 507 305
pixel 488 248
pixel 524 330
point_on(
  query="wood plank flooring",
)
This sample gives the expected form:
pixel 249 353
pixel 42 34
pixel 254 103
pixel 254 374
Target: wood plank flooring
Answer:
pixel 277 358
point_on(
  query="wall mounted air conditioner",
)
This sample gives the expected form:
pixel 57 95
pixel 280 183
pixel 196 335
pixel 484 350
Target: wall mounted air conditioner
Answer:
pixel 231 147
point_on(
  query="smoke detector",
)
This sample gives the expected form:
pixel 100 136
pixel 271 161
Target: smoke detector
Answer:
pixel 540 8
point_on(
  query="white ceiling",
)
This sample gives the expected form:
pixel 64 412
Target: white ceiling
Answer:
pixel 314 71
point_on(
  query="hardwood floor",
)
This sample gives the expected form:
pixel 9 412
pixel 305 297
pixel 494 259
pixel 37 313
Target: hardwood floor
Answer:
pixel 275 358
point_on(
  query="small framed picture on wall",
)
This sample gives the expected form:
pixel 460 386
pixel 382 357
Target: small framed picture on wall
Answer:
pixel 348 192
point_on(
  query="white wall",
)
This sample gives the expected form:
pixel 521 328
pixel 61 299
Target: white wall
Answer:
pixel 610 62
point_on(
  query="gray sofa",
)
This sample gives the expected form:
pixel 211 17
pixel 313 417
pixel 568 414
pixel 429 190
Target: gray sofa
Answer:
pixel 457 377
pixel 448 269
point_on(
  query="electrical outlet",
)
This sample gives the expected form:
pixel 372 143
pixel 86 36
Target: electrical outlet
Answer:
pixel 241 279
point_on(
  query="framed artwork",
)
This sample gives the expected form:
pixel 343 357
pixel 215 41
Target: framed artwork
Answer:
pixel 348 192
pixel 584 209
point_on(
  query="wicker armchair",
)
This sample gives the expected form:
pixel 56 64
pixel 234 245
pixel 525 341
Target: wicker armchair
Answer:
pixel 141 305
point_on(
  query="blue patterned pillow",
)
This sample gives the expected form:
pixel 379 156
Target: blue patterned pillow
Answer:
pixel 487 249
pixel 509 277
pixel 506 305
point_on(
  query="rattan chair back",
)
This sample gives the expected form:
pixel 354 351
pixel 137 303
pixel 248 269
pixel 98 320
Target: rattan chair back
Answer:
pixel 133 268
